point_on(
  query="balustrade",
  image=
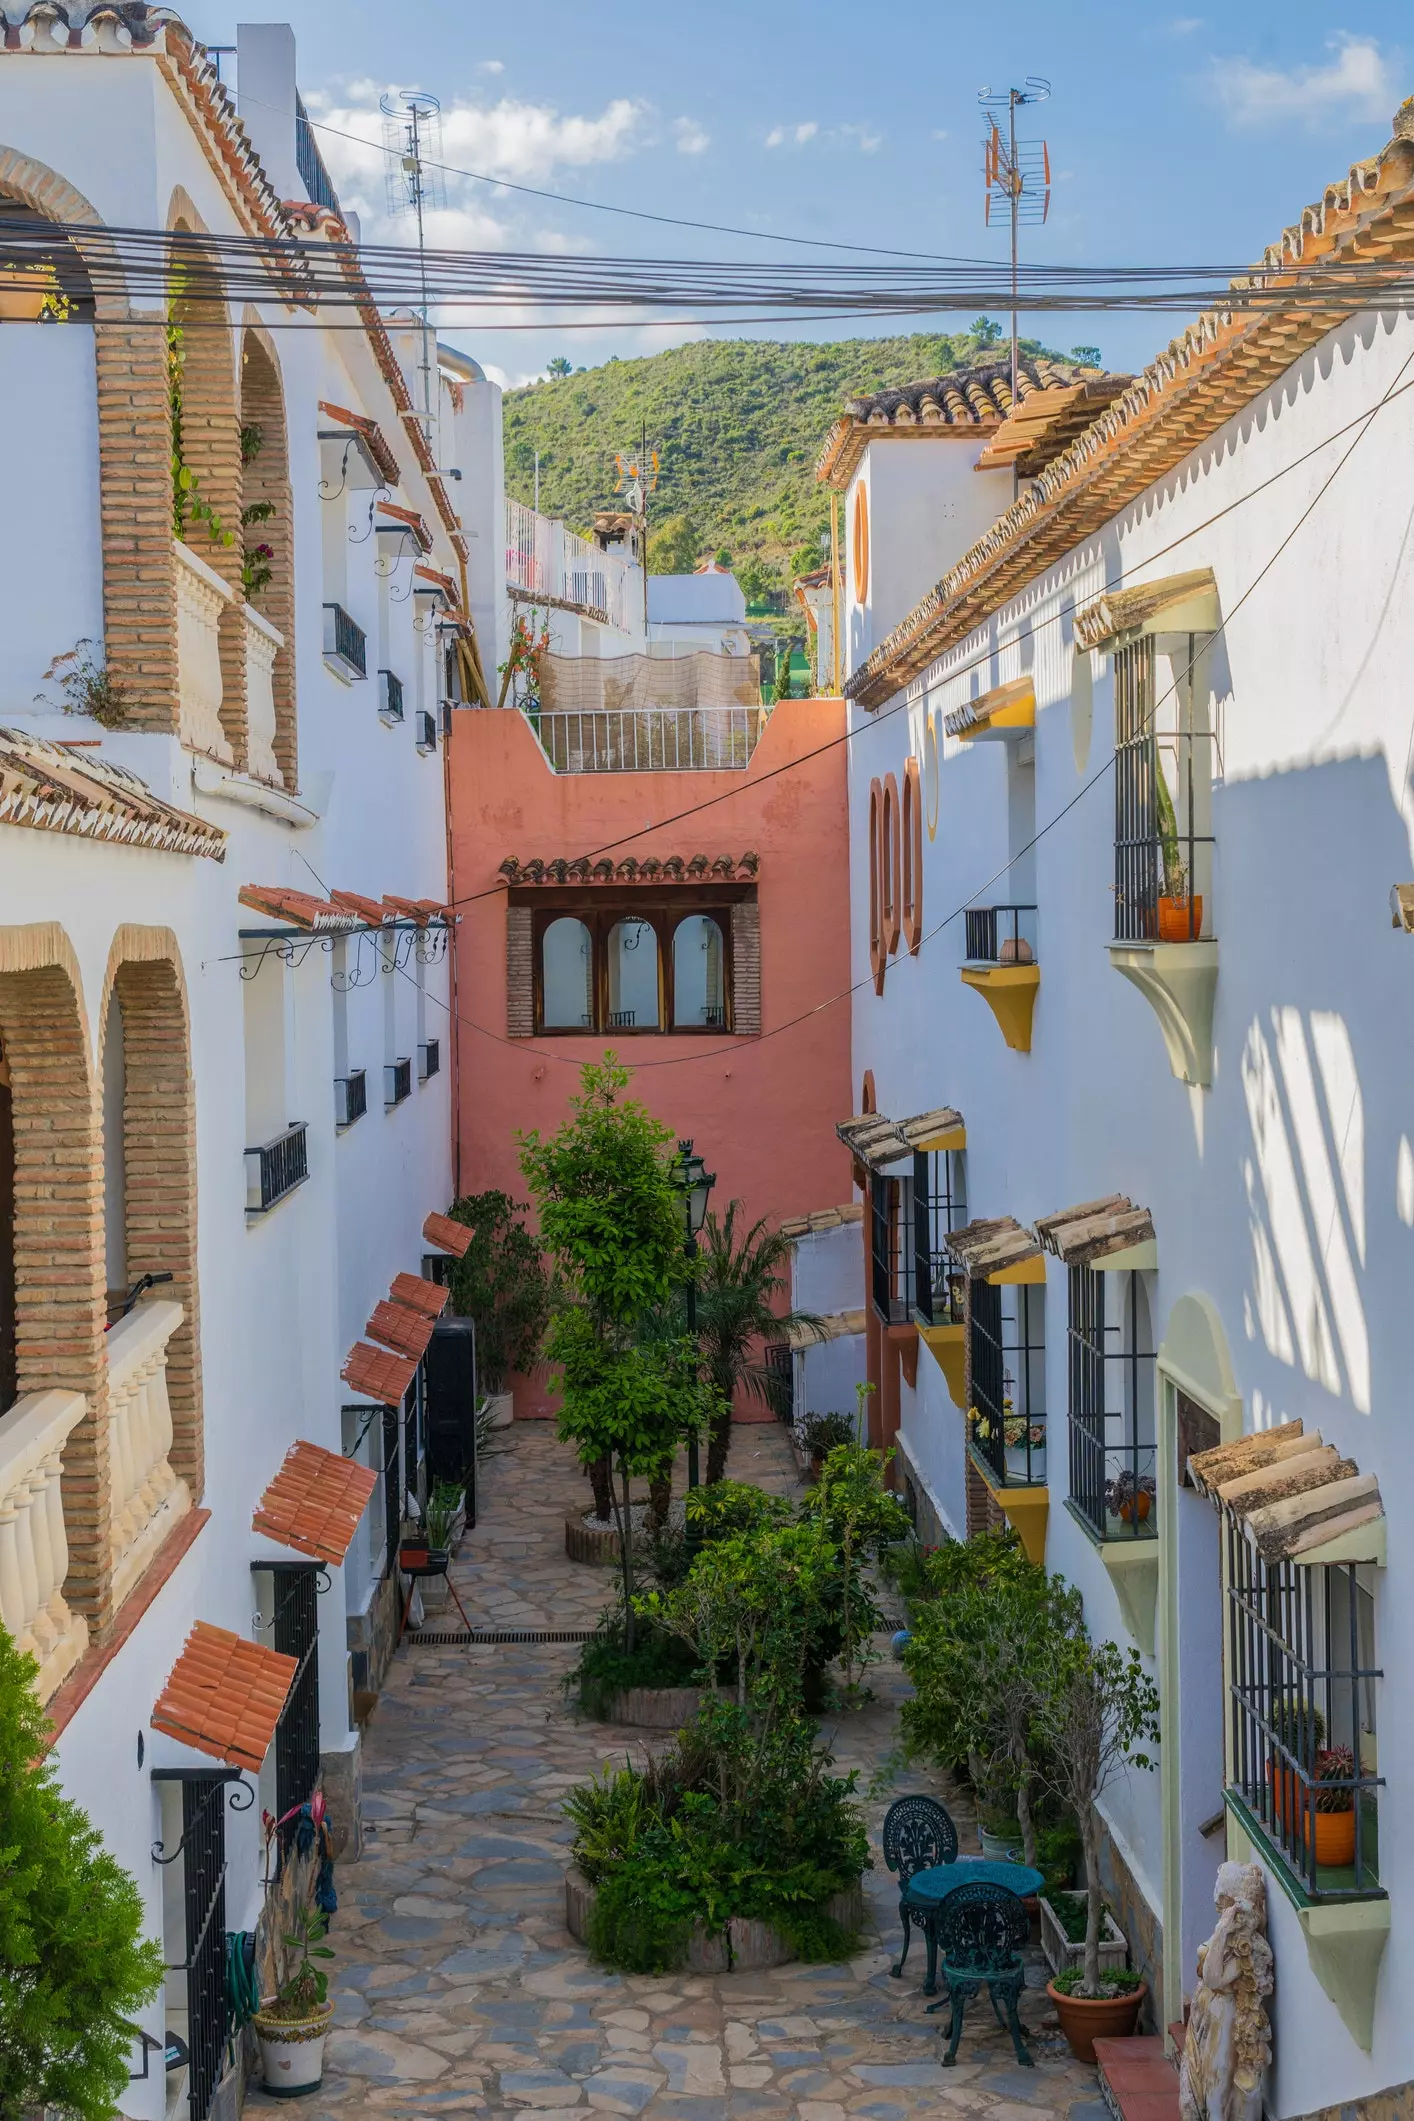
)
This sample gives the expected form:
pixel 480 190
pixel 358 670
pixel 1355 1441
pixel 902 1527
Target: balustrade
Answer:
pixel 262 644
pixel 147 1497
pixel 202 596
pixel 34 1548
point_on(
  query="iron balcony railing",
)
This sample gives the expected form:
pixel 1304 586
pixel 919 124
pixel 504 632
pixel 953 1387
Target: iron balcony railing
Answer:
pixel 1001 935
pixel 1007 1419
pixel 397 1081
pixel 345 641
pixel 350 1097
pixel 1113 1484
pixel 1163 779
pixel 295 1633
pixel 429 1059
pixel 939 1208
pixel 651 739
pixel 276 1167
pixel 390 697
pixel 310 163
pixel 426 732
pixel 891 1247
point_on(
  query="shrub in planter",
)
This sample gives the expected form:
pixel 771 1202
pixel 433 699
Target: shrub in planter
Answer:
pixel 294 2025
pixel 605 1668
pixel 1109 2010
pixel 500 1282
pixel 76 1967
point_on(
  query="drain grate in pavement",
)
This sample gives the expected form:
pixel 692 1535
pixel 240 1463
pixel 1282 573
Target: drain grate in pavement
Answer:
pixel 481 1638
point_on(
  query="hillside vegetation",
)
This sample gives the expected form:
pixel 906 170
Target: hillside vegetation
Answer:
pixel 739 424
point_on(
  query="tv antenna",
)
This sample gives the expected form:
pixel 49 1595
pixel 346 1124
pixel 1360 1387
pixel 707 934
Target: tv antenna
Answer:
pixel 1017 176
pixel 635 477
pixel 412 141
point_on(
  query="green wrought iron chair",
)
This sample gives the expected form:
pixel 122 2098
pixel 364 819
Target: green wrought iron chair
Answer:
pixel 981 1932
pixel 917 1835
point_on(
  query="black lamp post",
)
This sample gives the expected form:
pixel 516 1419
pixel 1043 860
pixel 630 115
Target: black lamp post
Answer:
pixel 696 1182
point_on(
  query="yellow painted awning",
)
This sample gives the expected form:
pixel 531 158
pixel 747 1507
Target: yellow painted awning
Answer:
pixel 1006 711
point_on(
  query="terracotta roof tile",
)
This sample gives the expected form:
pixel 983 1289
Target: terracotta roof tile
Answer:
pixel 651 869
pixel 367 909
pixel 1095 1229
pixel 371 433
pixel 987 1246
pixel 970 400
pixel 443 583
pixel 421 910
pixel 47 787
pixel 409 520
pixel 822 1219
pixel 382 1376
pixel 318 915
pixel 1292 1493
pixel 407 1331
pixel 876 1141
pixel 447 1236
pixel 315 1502
pixel 224 1696
pixel 429 1297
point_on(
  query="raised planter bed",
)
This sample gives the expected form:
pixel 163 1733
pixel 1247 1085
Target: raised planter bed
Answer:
pixel 596 1544
pixel 656 1708
pixel 1060 1953
pixel 754 1946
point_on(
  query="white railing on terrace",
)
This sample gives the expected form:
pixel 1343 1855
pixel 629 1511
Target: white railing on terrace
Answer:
pixel 545 560
pixel 34 1547
pixel 651 739
pixel 147 1497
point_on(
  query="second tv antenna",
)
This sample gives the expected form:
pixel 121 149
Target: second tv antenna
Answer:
pixel 1017 175
pixel 412 142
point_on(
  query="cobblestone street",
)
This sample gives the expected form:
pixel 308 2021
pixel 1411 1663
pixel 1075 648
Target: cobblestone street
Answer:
pixel 460 1991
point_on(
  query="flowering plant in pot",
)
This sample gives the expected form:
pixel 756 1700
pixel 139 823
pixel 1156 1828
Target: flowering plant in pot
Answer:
pixel 1333 1790
pixel 1180 913
pixel 294 2025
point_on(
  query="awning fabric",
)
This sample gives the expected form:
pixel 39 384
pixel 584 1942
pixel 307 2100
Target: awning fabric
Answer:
pixel 315 1502
pixel 224 1696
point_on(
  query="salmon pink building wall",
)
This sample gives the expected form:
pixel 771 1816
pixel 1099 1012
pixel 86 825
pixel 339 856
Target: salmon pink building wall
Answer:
pixel 761 1109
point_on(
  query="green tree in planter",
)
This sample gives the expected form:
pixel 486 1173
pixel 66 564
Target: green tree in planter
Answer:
pixel 502 1284
pixel 610 1216
pixel 857 1514
pixel 75 1964
pixel 742 1278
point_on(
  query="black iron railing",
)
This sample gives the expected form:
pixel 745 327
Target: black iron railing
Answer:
pixel 1007 1417
pixel 429 1058
pixel 1112 1458
pixel 345 641
pixel 276 1168
pixel 392 1488
pixel 350 1097
pixel 1001 935
pixel 621 1019
pixel 1301 1693
pixel 310 163
pixel 203 1856
pixel 390 696
pixel 1162 858
pixel 891 1247
pixel 426 732
pixel 397 1081
pixel 939 1208
pixel 295 1632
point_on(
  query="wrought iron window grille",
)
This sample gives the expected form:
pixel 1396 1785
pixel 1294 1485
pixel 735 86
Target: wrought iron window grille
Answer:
pixel 1302 1721
pixel 276 1168
pixel 429 1059
pixel 294 1630
pixel 1113 1488
pixel 1007 1418
pixel 345 642
pixel 1000 935
pixel 426 732
pixel 1164 757
pixel 397 1081
pixel 891 1230
pixel 202 1848
pixel 390 698
pixel 939 1208
pixel 350 1097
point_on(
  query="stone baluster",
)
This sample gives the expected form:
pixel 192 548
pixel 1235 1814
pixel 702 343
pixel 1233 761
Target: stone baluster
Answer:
pixel 34 1550
pixel 147 1497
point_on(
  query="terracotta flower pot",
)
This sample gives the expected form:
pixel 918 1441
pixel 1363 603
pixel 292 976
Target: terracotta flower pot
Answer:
pixel 1136 1510
pixel 1086 2019
pixel 1181 919
pixel 1335 1839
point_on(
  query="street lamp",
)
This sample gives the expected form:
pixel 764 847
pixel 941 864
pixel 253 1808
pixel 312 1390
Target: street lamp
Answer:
pixel 695 1182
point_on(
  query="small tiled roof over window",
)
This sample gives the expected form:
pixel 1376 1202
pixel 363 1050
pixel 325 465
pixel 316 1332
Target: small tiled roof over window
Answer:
pixel 968 401
pixel 406 519
pixel 320 916
pixel 429 1297
pixel 1096 1230
pixel 1294 1494
pixel 381 1376
pixel 877 1142
pixel 990 1246
pixel 407 1331
pixel 224 1695
pixel 370 434
pixel 315 1502
pixel 822 1219
pixel 56 788
pixel 447 1236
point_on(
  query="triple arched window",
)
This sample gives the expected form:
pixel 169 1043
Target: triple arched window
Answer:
pixel 633 968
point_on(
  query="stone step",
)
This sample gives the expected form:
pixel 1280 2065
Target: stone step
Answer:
pixel 1137 2080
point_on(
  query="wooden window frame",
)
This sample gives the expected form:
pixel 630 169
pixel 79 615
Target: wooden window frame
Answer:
pixel 859 544
pixel 911 837
pixel 890 867
pixel 600 911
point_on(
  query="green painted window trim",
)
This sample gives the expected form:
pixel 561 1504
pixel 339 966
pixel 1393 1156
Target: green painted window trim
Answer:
pixel 1296 1892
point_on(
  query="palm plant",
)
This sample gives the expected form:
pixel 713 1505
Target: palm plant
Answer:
pixel 742 1275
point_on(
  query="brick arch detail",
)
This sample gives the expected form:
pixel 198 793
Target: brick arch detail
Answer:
pixel 59 1278
pixel 134 467
pixel 159 1159
pixel 267 478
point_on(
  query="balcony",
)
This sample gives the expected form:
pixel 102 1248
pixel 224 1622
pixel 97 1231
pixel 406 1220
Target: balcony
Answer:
pixel 276 1168
pixel 262 644
pixel 202 597
pixel 397 1081
pixel 1002 967
pixel 390 699
pixel 429 1059
pixel 939 1282
pixel 426 732
pixel 345 644
pixel 34 1549
pixel 147 1498
pixel 350 1097
pixel 650 739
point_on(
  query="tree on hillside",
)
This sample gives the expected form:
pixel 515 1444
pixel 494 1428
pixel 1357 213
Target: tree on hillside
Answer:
pixel 559 365
pixel 673 547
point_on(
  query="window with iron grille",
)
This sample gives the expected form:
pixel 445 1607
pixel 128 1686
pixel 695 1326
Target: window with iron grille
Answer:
pixel 293 1629
pixel 1163 794
pixel 1301 1691
pixel 939 1208
pixel 780 1381
pixel 392 1488
pixel 200 1920
pixel 891 1226
pixel 1111 1368
pixel 1007 1418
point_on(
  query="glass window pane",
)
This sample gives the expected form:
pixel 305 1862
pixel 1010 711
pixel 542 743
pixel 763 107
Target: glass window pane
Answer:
pixel 699 973
pixel 633 977
pixel 567 966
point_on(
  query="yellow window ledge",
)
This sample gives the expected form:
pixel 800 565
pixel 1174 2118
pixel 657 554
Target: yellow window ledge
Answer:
pixel 1010 993
pixel 948 1347
pixel 1026 1510
pixel 1179 982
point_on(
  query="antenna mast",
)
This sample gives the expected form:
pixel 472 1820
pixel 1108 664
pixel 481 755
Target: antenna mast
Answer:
pixel 1019 173
pixel 412 138
pixel 635 477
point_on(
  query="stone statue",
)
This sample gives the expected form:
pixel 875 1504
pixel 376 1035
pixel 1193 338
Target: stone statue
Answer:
pixel 1228 2044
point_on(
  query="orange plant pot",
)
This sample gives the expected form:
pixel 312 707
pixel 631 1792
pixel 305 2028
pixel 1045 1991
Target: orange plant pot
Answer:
pixel 1086 2019
pixel 1335 1839
pixel 1180 919
pixel 1137 1511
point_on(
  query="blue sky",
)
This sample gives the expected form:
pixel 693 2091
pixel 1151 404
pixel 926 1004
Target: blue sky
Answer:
pixel 1177 138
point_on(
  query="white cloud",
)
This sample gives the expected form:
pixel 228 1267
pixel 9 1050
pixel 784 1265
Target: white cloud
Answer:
pixel 792 135
pixel 939 133
pixel 862 136
pixel 1184 25
pixel 690 136
pixel 1356 82
pixel 491 66
pixel 867 141
pixel 523 143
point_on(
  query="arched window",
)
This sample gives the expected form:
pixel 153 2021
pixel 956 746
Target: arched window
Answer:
pixel 633 976
pixel 567 961
pixel 699 974
pixel 890 866
pixel 912 858
pixel 859 552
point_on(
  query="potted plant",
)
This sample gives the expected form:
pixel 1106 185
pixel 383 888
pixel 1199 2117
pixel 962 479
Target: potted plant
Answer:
pixel 1096 1712
pixel 442 1521
pixel 1300 1728
pixel 501 1283
pixel 820 1433
pixel 294 2025
pixel 1065 1915
pixel 1130 1497
pixel 1180 913
pixel 1334 1796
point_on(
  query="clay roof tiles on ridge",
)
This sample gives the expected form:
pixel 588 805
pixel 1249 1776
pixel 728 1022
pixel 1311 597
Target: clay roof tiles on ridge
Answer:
pixel 1293 1494
pixel 224 1695
pixel 382 1376
pixel 429 1297
pixel 398 1327
pixel 447 1236
pixel 315 1502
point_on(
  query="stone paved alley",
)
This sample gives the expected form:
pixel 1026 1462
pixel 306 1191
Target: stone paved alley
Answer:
pixel 459 1989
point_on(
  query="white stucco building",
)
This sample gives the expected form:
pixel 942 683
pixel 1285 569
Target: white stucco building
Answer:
pixel 1129 774
pixel 224 997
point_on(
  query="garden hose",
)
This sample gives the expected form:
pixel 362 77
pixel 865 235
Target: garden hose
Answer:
pixel 242 1986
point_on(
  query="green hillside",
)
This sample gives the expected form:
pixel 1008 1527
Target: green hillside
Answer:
pixel 739 423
